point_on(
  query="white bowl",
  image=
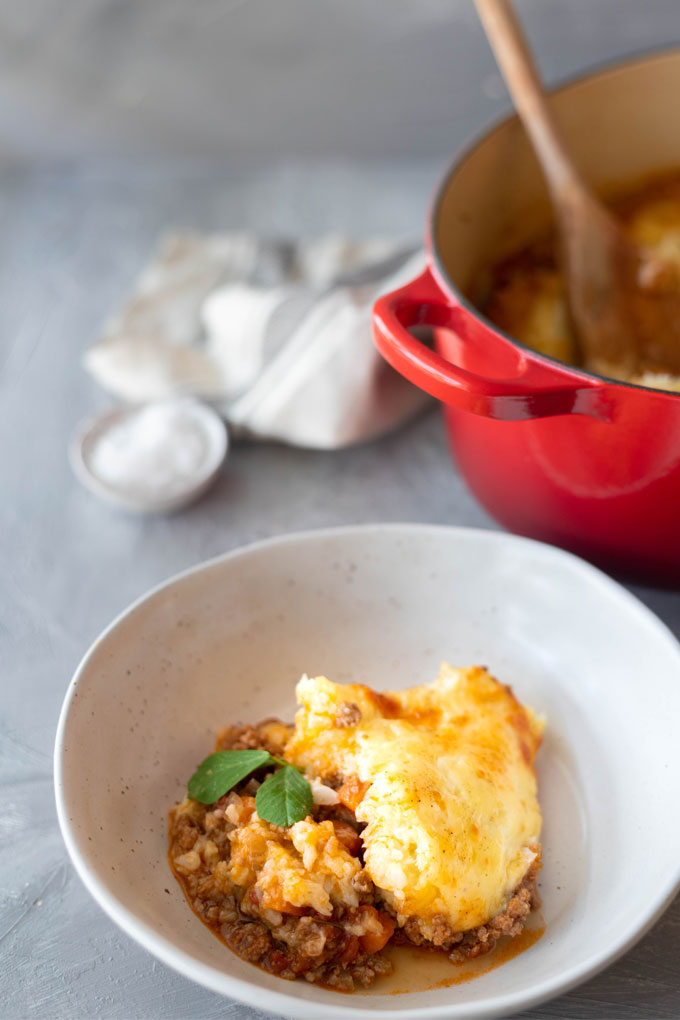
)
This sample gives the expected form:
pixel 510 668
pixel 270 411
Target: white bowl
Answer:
pixel 203 418
pixel 383 605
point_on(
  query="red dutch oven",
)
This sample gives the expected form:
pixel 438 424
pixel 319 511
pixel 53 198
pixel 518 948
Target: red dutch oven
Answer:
pixel 551 451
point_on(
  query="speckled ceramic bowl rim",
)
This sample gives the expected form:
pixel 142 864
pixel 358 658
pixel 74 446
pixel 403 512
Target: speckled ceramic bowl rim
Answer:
pixel 280 1002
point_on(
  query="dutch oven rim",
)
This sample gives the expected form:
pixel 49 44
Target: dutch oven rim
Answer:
pixel 467 148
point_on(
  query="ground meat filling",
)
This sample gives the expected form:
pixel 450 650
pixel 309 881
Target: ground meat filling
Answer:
pixel 467 945
pixel 348 714
pixel 297 901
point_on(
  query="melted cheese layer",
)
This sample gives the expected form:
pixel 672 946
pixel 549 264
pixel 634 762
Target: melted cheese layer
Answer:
pixel 451 812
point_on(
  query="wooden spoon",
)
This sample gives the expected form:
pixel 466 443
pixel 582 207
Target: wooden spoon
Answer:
pixel 624 304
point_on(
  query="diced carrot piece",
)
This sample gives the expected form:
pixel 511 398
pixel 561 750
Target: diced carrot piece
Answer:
pixel 276 901
pixel 352 792
pixel 373 942
pixel 350 839
pixel 289 908
pixel 350 952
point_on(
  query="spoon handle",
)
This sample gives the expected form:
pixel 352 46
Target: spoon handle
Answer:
pixel 516 63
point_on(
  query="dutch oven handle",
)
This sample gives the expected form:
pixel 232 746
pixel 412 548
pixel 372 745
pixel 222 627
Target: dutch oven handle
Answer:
pixel 540 391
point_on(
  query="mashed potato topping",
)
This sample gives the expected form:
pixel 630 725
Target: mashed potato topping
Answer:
pixel 305 867
pixel 442 775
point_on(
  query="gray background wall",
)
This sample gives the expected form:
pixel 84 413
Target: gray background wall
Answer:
pixel 259 79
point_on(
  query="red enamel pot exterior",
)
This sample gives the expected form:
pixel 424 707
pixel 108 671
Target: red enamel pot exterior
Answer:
pixel 551 451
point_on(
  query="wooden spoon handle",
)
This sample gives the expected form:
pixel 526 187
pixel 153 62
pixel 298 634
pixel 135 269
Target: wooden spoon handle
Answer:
pixel 516 63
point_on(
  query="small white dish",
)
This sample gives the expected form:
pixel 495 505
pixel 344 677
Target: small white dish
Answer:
pixel 206 423
pixel 383 605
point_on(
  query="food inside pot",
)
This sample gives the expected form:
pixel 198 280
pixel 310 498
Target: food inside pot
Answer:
pixel 528 295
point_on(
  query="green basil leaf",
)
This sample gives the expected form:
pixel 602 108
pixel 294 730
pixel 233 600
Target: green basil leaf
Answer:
pixel 220 772
pixel 280 761
pixel 284 798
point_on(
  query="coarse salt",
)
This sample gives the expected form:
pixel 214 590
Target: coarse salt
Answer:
pixel 157 452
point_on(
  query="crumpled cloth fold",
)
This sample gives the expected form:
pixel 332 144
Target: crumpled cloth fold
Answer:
pixel 277 336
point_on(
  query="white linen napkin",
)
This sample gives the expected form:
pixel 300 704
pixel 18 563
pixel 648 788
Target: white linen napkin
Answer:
pixel 276 335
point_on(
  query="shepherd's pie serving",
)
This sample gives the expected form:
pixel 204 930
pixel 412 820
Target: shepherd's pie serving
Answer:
pixel 403 816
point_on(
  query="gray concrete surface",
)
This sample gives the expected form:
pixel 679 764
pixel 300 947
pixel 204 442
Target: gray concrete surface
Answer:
pixel 243 79
pixel 71 242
